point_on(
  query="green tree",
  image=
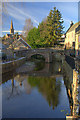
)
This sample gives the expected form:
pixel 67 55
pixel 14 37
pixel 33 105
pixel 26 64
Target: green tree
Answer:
pixel 54 26
pixel 43 32
pixel 33 38
pixel 49 31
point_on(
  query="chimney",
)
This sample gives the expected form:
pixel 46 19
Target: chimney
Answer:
pixel 71 23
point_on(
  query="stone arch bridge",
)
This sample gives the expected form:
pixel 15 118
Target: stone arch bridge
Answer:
pixel 46 53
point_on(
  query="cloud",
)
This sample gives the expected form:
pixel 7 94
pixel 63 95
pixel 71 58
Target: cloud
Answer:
pixel 17 13
pixel 16 16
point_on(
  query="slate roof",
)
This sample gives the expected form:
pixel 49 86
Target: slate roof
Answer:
pixel 24 43
pixel 77 29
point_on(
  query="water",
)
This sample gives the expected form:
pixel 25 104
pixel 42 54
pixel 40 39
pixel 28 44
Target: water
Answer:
pixel 35 94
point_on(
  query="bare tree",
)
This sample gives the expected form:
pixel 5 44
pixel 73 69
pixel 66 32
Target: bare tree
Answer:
pixel 27 27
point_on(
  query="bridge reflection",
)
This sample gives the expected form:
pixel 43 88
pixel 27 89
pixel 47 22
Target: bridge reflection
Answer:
pixel 49 70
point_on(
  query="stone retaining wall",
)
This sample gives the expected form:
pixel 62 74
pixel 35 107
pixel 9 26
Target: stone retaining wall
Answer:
pixel 11 65
pixel 68 73
pixel 70 60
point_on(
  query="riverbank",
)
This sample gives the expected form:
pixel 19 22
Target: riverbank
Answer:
pixel 11 65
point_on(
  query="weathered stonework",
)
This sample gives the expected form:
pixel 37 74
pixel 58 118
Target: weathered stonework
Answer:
pixel 9 66
pixel 48 54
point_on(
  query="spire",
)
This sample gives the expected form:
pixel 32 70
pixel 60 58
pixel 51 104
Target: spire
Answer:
pixel 11 25
pixel 11 29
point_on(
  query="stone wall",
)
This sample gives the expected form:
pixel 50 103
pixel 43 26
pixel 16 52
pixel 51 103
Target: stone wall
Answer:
pixel 70 60
pixel 11 65
pixel 68 73
pixel 48 54
pixel 28 53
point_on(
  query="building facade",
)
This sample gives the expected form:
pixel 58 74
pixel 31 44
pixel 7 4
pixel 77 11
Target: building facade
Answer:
pixel 71 36
pixel 77 42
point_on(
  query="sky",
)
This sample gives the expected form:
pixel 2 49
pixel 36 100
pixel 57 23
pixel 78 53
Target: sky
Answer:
pixel 36 11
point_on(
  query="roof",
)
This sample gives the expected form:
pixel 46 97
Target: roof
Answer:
pixel 77 29
pixel 73 27
pixel 25 43
pixel 9 35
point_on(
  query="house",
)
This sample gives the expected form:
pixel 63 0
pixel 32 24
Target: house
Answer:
pixel 9 36
pixel 14 41
pixel 71 36
pixel 77 41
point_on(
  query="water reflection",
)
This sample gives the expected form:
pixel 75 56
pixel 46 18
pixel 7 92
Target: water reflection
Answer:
pixel 73 90
pixel 49 91
pixel 75 94
pixel 48 87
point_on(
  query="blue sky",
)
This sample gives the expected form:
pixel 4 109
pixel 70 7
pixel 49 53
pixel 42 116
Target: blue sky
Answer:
pixel 37 11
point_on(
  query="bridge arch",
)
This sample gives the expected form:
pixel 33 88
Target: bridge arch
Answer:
pixel 38 56
pixel 41 54
pixel 47 54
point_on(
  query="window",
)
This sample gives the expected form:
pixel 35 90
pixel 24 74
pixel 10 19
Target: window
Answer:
pixel 73 44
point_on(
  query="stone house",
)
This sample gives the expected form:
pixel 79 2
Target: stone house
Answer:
pixel 70 39
pixel 14 41
pixel 77 41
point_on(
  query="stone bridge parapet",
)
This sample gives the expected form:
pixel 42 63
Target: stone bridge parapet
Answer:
pixel 46 53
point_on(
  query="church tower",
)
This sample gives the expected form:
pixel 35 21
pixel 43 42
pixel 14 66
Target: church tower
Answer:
pixel 11 29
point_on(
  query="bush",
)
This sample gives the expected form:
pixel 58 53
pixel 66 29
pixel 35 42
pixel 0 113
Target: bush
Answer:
pixel 4 56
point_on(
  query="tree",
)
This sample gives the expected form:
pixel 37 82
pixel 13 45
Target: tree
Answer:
pixel 43 31
pixel 33 38
pixel 27 27
pixel 49 31
pixel 54 26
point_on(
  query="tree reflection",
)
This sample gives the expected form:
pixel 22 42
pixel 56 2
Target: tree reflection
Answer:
pixel 49 87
